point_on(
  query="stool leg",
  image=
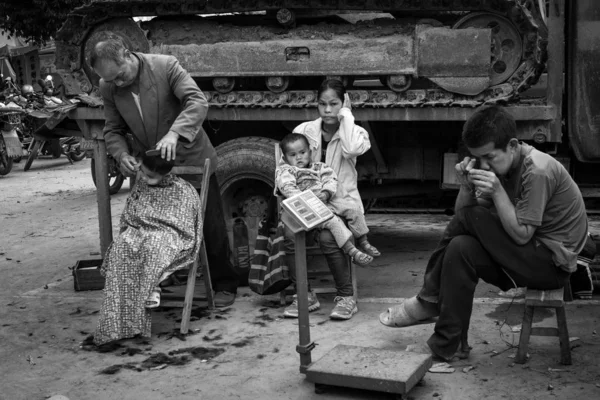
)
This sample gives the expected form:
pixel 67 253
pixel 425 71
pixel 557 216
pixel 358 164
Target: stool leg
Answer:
pixel 563 336
pixel 525 333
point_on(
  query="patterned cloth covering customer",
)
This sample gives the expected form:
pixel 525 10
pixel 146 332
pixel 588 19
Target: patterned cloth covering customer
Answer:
pixel 160 232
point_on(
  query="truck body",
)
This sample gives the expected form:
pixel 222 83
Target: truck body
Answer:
pixel 415 70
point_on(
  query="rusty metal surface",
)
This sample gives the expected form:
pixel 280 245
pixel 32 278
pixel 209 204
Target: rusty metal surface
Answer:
pixel 446 52
pixel 584 79
pixel 272 58
pixel 521 113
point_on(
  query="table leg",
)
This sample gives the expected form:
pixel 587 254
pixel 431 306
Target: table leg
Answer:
pixel 103 196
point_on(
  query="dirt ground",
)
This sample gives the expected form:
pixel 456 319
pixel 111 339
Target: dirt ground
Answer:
pixel 48 219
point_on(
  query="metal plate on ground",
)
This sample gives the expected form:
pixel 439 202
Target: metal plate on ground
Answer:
pixel 381 370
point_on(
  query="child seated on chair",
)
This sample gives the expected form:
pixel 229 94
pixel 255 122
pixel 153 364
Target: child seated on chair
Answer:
pixel 160 232
pixel 300 174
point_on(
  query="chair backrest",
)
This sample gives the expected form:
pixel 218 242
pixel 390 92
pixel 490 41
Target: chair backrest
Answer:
pixel 205 171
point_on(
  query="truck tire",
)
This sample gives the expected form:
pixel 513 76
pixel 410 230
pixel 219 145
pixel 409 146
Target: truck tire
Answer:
pixel 246 175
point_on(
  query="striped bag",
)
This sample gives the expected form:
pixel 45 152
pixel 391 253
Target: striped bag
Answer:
pixel 269 273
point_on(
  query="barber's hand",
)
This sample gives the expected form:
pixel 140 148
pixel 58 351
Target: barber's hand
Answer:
pixel 129 165
pixel 485 182
pixel 168 145
pixel 462 170
pixel 347 103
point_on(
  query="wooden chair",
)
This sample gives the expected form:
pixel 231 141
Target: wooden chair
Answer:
pixel 191 281
pixel 546 299
pixel 312 251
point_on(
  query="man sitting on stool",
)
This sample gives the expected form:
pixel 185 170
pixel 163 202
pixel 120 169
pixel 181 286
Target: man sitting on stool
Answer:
pixel 520 221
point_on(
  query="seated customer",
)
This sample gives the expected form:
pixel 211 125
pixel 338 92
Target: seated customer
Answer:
pixel 520 222
pixel 160 231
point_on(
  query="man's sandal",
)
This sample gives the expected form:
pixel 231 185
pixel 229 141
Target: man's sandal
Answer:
pixel 369 249
pixel 360 258
pixel 153 301
pixel 409 312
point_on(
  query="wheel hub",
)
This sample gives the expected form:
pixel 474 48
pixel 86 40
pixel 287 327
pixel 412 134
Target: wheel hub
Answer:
pixel 255 206
pixel 507 45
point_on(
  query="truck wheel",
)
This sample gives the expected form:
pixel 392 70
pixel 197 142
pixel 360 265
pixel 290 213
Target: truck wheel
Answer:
pixel 246 174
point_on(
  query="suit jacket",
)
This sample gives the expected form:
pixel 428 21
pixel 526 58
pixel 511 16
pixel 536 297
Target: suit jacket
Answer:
pixel 170 101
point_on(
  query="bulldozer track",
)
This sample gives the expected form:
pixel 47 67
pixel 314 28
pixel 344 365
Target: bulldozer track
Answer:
pixel 521 13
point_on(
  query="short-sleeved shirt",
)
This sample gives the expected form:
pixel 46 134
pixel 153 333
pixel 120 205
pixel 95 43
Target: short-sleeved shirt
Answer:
pixel 545 196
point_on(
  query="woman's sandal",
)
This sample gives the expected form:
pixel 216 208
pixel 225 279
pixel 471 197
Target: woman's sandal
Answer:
pixel 360 258
pixel 369 249
pixel 153 301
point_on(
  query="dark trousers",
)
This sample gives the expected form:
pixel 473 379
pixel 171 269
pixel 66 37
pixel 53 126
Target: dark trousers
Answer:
pixel 222 274
pixel 475 246
pixel 335 257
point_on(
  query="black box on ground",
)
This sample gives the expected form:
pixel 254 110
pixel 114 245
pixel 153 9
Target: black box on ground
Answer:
pixel 86 275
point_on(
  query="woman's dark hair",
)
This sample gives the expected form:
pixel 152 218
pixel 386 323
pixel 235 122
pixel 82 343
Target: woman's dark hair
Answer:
pixel 291 138
pixel 158 164
pixel 489 124
pixel 334 84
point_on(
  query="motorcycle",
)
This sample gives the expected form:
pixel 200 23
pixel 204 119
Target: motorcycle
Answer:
pixel 10 145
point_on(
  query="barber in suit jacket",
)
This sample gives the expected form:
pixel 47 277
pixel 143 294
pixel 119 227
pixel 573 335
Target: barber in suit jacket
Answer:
pixel 156 100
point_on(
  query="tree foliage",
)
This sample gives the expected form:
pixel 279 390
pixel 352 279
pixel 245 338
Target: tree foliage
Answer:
pixel 36 21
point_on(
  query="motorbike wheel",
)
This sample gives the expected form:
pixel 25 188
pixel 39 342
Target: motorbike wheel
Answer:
pixel 115 177
pixel 77 155
pixel 6 165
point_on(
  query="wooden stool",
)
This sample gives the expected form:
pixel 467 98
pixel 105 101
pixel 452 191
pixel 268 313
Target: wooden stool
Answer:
pixel 546 299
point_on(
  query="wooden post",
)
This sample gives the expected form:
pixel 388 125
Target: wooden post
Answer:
pixel 94 129
pixel 304 345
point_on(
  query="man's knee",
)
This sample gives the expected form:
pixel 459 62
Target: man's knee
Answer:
pixel 463 245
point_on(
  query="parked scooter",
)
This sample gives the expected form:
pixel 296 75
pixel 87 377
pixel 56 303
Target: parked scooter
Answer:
pixel 10 145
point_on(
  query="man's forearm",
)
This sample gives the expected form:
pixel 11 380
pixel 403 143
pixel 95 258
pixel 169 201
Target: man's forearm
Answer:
pixel 521 234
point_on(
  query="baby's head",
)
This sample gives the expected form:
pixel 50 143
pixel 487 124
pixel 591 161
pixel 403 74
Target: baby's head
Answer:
pixel 153 169
pixel 296 150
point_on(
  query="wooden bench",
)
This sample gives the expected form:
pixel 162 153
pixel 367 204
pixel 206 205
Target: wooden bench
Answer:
pixel 547 299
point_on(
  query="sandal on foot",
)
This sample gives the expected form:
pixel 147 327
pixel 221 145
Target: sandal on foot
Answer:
pixel 410 312
pixel 397 317
pixel 360 258
pixel 369 249
pixel 153 301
